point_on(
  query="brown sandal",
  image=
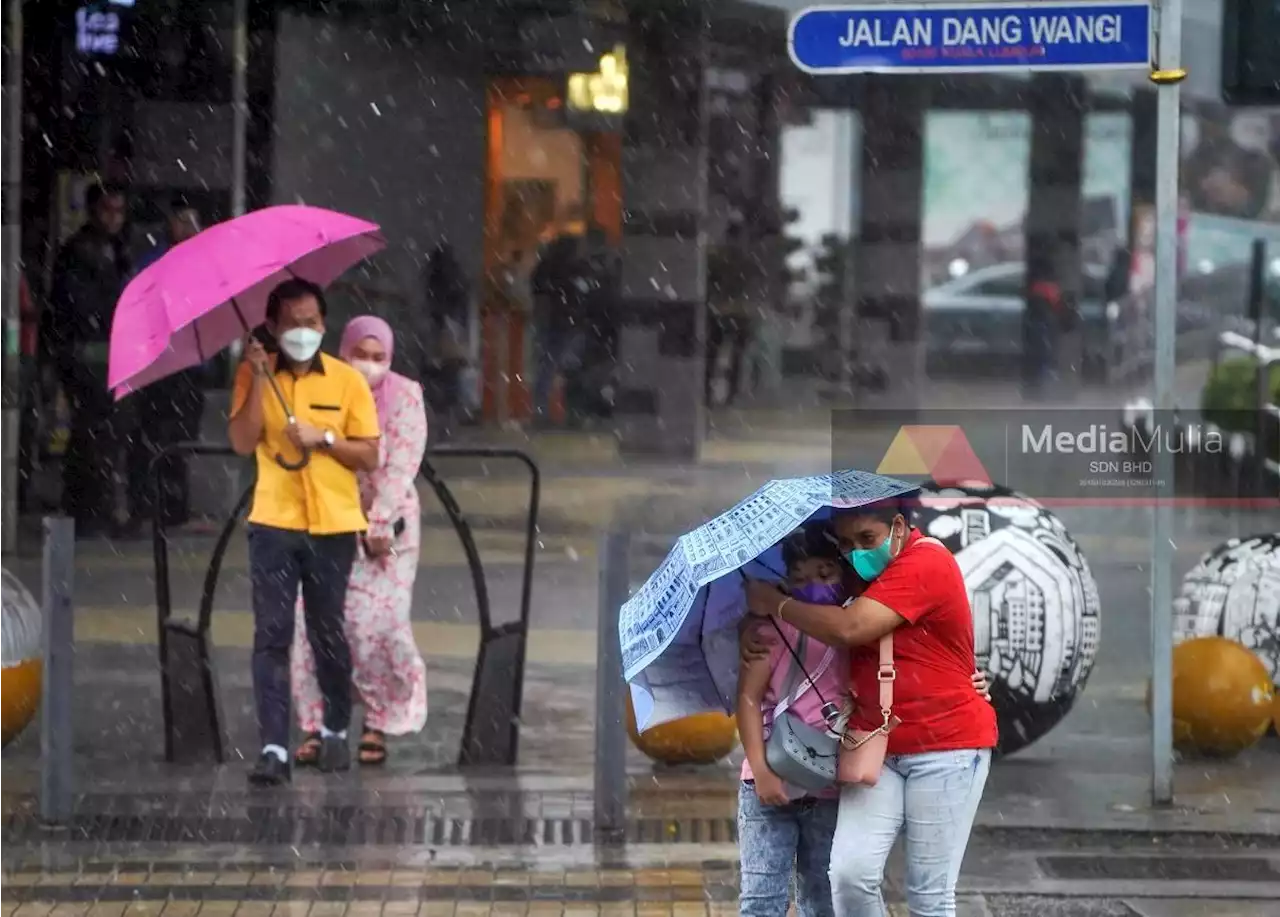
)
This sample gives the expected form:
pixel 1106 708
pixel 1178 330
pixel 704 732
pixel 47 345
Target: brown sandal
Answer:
pixel 373 747
pixel 308 752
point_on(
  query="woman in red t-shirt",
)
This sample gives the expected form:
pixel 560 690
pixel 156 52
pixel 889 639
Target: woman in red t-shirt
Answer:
pixel 940 753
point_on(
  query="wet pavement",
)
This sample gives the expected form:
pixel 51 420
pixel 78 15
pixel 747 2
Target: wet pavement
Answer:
pixel 1065 827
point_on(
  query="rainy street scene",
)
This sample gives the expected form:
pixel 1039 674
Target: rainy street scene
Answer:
pixel 640 458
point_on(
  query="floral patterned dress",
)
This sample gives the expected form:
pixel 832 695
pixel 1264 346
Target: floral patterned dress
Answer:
pixel 388 673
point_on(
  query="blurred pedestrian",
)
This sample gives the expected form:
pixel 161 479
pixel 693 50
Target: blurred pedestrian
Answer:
pixel 386 668
pixel 169 410
pixel 560 290
pixel 589 385
pixel 89 275
pixel 305 522
pixel 449 302
pixel 731 312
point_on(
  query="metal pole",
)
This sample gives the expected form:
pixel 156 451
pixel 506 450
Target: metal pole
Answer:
pixel 1167 76
pixel 239 104
pixel 848 174
pixel 56 741
pixel 1258 313
pixel 11 399
pixel 610 800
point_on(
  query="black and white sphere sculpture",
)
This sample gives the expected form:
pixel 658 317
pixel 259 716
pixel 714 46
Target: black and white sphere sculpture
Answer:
pixel 1036 612
pixel 1234 592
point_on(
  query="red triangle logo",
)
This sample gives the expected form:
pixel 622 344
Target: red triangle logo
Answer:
pixel 958 464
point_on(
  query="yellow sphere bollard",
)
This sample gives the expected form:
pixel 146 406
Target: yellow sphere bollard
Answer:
pixel 1223 697
pixel 703 738
pixel 20 649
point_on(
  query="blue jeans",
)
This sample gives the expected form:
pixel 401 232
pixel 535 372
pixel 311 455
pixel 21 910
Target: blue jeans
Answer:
pixel 936 795
pixel 777 841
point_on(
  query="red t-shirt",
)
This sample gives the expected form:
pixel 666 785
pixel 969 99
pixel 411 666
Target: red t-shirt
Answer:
pixel 933 652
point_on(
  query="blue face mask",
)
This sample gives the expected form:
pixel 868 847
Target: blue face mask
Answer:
pixel 819 593
pixel 869 563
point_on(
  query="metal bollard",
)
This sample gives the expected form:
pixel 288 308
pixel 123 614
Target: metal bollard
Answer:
pixel 610 801
pixel 56 740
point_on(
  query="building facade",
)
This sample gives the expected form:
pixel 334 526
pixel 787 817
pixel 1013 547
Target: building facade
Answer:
pixel 493 126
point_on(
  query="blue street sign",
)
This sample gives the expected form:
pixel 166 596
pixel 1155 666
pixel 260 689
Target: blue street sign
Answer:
pixel 973 37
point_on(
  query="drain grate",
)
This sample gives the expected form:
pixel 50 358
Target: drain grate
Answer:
pixel 1151 868
pixel 361 827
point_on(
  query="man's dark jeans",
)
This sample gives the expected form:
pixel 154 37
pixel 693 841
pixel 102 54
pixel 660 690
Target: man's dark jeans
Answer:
pixel 280 562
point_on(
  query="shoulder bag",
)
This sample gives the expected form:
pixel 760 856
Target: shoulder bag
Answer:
pixel 800 754
pixel 862 751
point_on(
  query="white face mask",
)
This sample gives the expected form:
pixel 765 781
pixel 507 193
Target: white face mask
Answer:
pixel 371 370
pixel 301 344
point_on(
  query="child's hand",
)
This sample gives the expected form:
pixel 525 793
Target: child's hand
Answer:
pixel 754 644
pixel 981 685
pixel 770 790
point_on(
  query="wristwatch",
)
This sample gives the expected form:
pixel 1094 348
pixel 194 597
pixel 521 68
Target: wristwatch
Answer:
pixel 329 439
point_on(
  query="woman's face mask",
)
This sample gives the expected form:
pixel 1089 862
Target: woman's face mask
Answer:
pixel 373 370
pixel 869 563
pixel 300 344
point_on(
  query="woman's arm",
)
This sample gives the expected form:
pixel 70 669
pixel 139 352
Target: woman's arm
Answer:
pixel 404 442
pixel 862 622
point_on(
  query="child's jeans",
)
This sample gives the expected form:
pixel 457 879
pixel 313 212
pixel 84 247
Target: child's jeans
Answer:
pixel 777 842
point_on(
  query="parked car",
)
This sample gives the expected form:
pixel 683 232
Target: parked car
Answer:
pixel 978 317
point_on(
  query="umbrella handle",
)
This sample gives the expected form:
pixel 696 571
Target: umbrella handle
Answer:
pixel 294 466
pixel 284 403
pixel 302 461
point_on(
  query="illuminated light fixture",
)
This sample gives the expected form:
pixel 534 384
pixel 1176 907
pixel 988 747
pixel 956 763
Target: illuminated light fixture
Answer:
pixel 605 91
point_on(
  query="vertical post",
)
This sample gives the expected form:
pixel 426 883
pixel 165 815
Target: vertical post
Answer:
pixel 1258 314
pixel 1167 76
pixel 10 413
pixel 56 741
pixel 848 169
pixel 239 104
pixel 610 800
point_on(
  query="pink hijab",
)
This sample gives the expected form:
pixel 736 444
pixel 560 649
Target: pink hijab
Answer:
pixel 370 326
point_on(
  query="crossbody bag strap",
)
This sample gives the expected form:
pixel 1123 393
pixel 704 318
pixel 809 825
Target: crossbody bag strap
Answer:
pixel 781 707
pixel 792 681
pixel 886 674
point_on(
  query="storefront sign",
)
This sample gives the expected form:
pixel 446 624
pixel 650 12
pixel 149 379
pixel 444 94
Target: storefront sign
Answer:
pixel 973 37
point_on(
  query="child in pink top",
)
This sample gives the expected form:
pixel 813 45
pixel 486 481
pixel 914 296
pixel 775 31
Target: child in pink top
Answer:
pixel 782 830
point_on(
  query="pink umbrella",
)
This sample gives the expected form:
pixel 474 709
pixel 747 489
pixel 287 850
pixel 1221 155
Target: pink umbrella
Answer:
pixel 212 290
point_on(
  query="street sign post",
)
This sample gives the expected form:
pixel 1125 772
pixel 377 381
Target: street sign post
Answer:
pixel 989 37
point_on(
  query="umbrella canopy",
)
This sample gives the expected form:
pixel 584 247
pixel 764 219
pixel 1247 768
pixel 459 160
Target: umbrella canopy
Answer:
pixel 209 291
pixel 679 631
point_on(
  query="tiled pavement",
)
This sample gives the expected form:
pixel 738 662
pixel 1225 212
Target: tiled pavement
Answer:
pixel 163 888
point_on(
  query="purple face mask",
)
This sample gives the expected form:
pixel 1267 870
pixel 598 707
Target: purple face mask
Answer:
pixel 820 593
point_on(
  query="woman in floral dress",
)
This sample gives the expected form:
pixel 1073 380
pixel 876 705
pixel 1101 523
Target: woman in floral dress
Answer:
pixel 387 670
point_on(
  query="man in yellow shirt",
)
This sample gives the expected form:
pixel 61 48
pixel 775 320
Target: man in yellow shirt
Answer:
pixel 304 523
